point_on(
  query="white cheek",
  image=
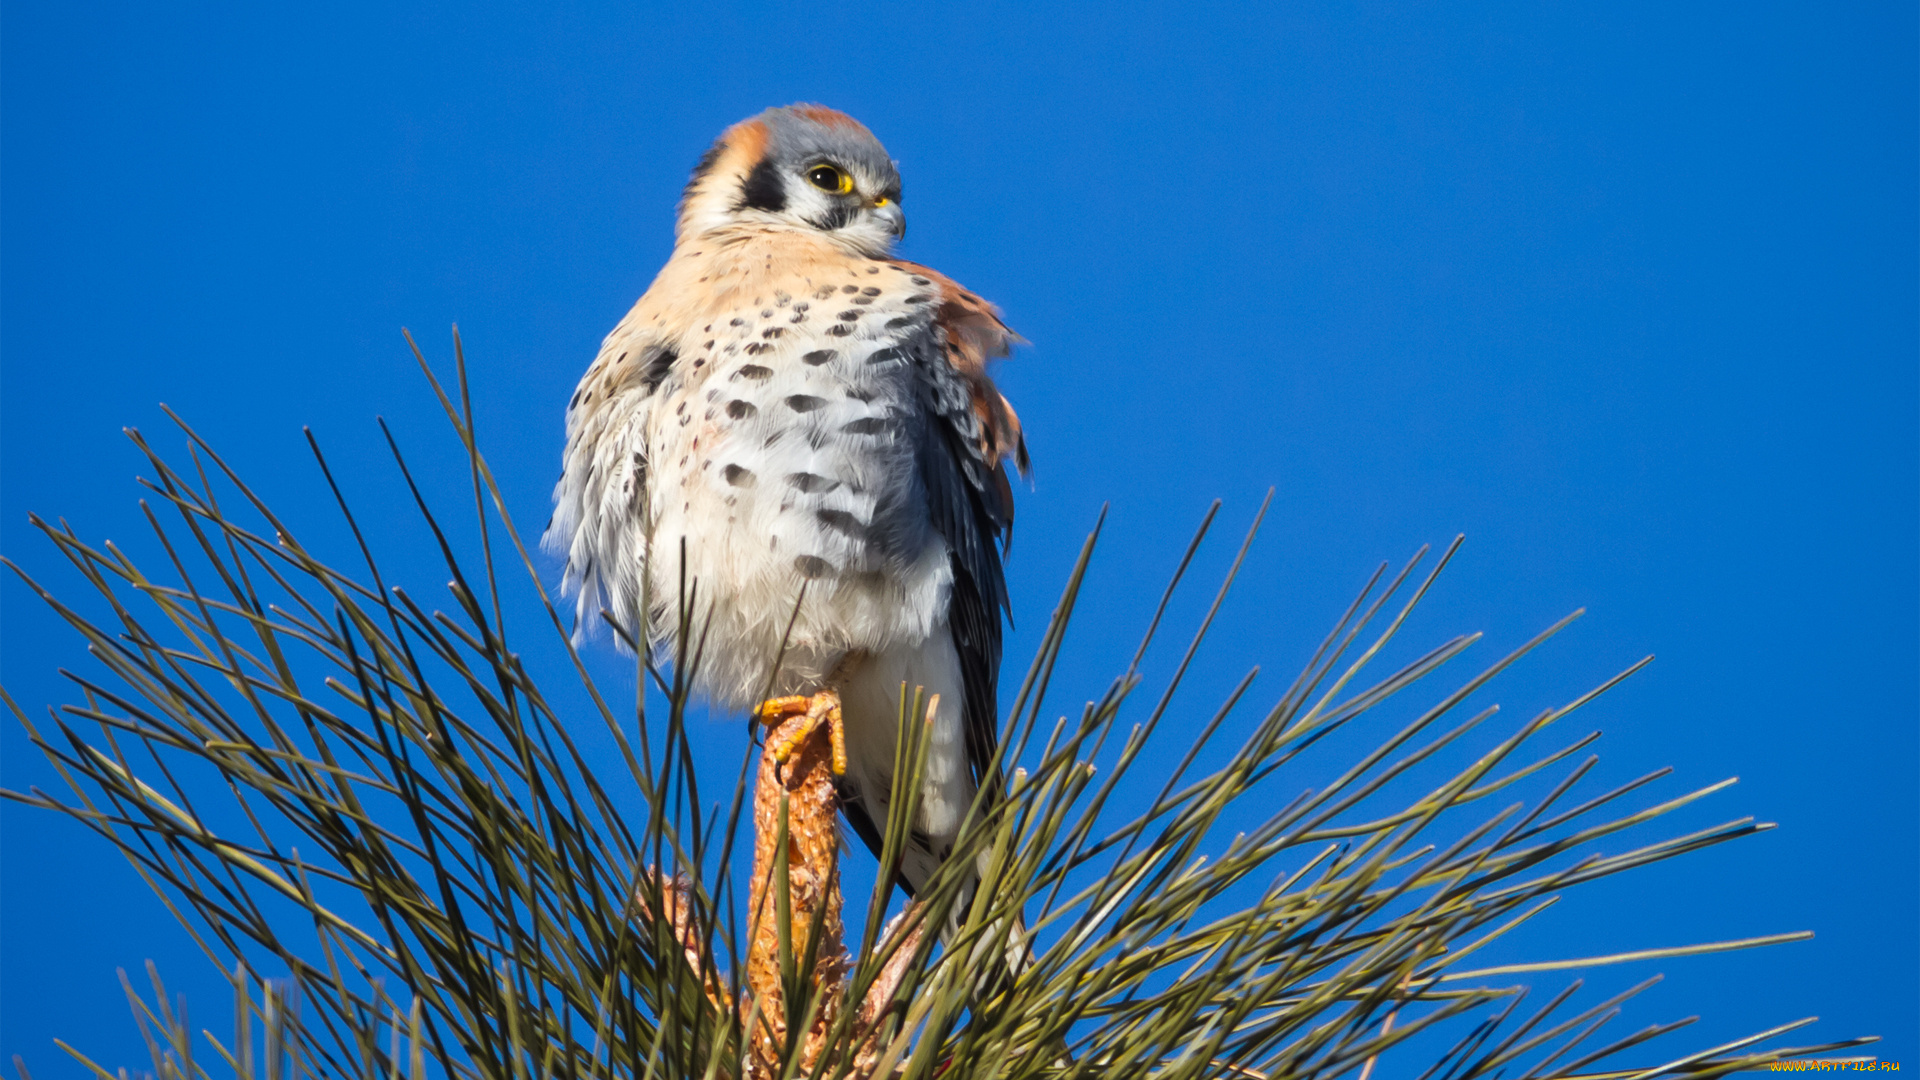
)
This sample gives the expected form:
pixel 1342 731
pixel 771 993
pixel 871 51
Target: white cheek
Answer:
pixel 869 233
pixel 809 202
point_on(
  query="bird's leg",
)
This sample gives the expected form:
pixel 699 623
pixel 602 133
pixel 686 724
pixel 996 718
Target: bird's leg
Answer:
pixel 821 708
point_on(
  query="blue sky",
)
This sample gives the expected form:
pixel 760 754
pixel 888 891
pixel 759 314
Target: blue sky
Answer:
pixel 1626 293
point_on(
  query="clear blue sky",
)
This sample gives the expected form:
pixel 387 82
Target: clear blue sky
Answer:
pixel 1626 293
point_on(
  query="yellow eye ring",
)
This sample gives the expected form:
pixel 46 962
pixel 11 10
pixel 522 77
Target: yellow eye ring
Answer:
pixel 830 180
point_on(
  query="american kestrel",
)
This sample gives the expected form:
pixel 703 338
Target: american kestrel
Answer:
pixel 797 410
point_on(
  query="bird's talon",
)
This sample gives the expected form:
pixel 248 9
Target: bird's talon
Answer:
pixel 821 708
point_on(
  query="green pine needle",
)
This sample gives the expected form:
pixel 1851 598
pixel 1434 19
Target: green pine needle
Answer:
pixel 321 775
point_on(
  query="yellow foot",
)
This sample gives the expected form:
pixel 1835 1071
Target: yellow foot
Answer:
pixel 821 708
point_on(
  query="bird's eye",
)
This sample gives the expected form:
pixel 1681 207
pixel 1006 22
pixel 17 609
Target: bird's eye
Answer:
pixel 829 179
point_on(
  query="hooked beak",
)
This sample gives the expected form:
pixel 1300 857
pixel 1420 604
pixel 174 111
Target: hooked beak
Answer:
pixel 896 220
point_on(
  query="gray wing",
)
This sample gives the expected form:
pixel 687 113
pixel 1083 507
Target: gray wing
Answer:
pixel 971 506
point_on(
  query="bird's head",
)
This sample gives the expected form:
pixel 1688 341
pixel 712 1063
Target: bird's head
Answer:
pixel 804 167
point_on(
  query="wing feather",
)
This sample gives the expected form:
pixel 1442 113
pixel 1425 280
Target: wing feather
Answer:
pixel 973 433
pixel 599 521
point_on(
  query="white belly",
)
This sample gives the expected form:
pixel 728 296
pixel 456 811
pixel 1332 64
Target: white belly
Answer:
pixel 786 465
pixel 870 698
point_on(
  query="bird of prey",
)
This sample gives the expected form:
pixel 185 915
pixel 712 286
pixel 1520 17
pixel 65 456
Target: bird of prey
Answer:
pixel 794 409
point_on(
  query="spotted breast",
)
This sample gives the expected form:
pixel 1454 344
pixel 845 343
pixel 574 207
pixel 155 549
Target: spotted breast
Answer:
pixel 786 451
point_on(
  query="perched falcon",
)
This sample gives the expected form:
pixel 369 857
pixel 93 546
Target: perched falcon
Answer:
pixel 795 409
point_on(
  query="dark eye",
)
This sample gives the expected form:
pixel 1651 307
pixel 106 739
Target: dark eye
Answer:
pixel 829 179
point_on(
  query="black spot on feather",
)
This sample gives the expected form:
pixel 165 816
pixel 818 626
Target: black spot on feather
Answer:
pixel 809 483
pixel 654 367
pixel 842 521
